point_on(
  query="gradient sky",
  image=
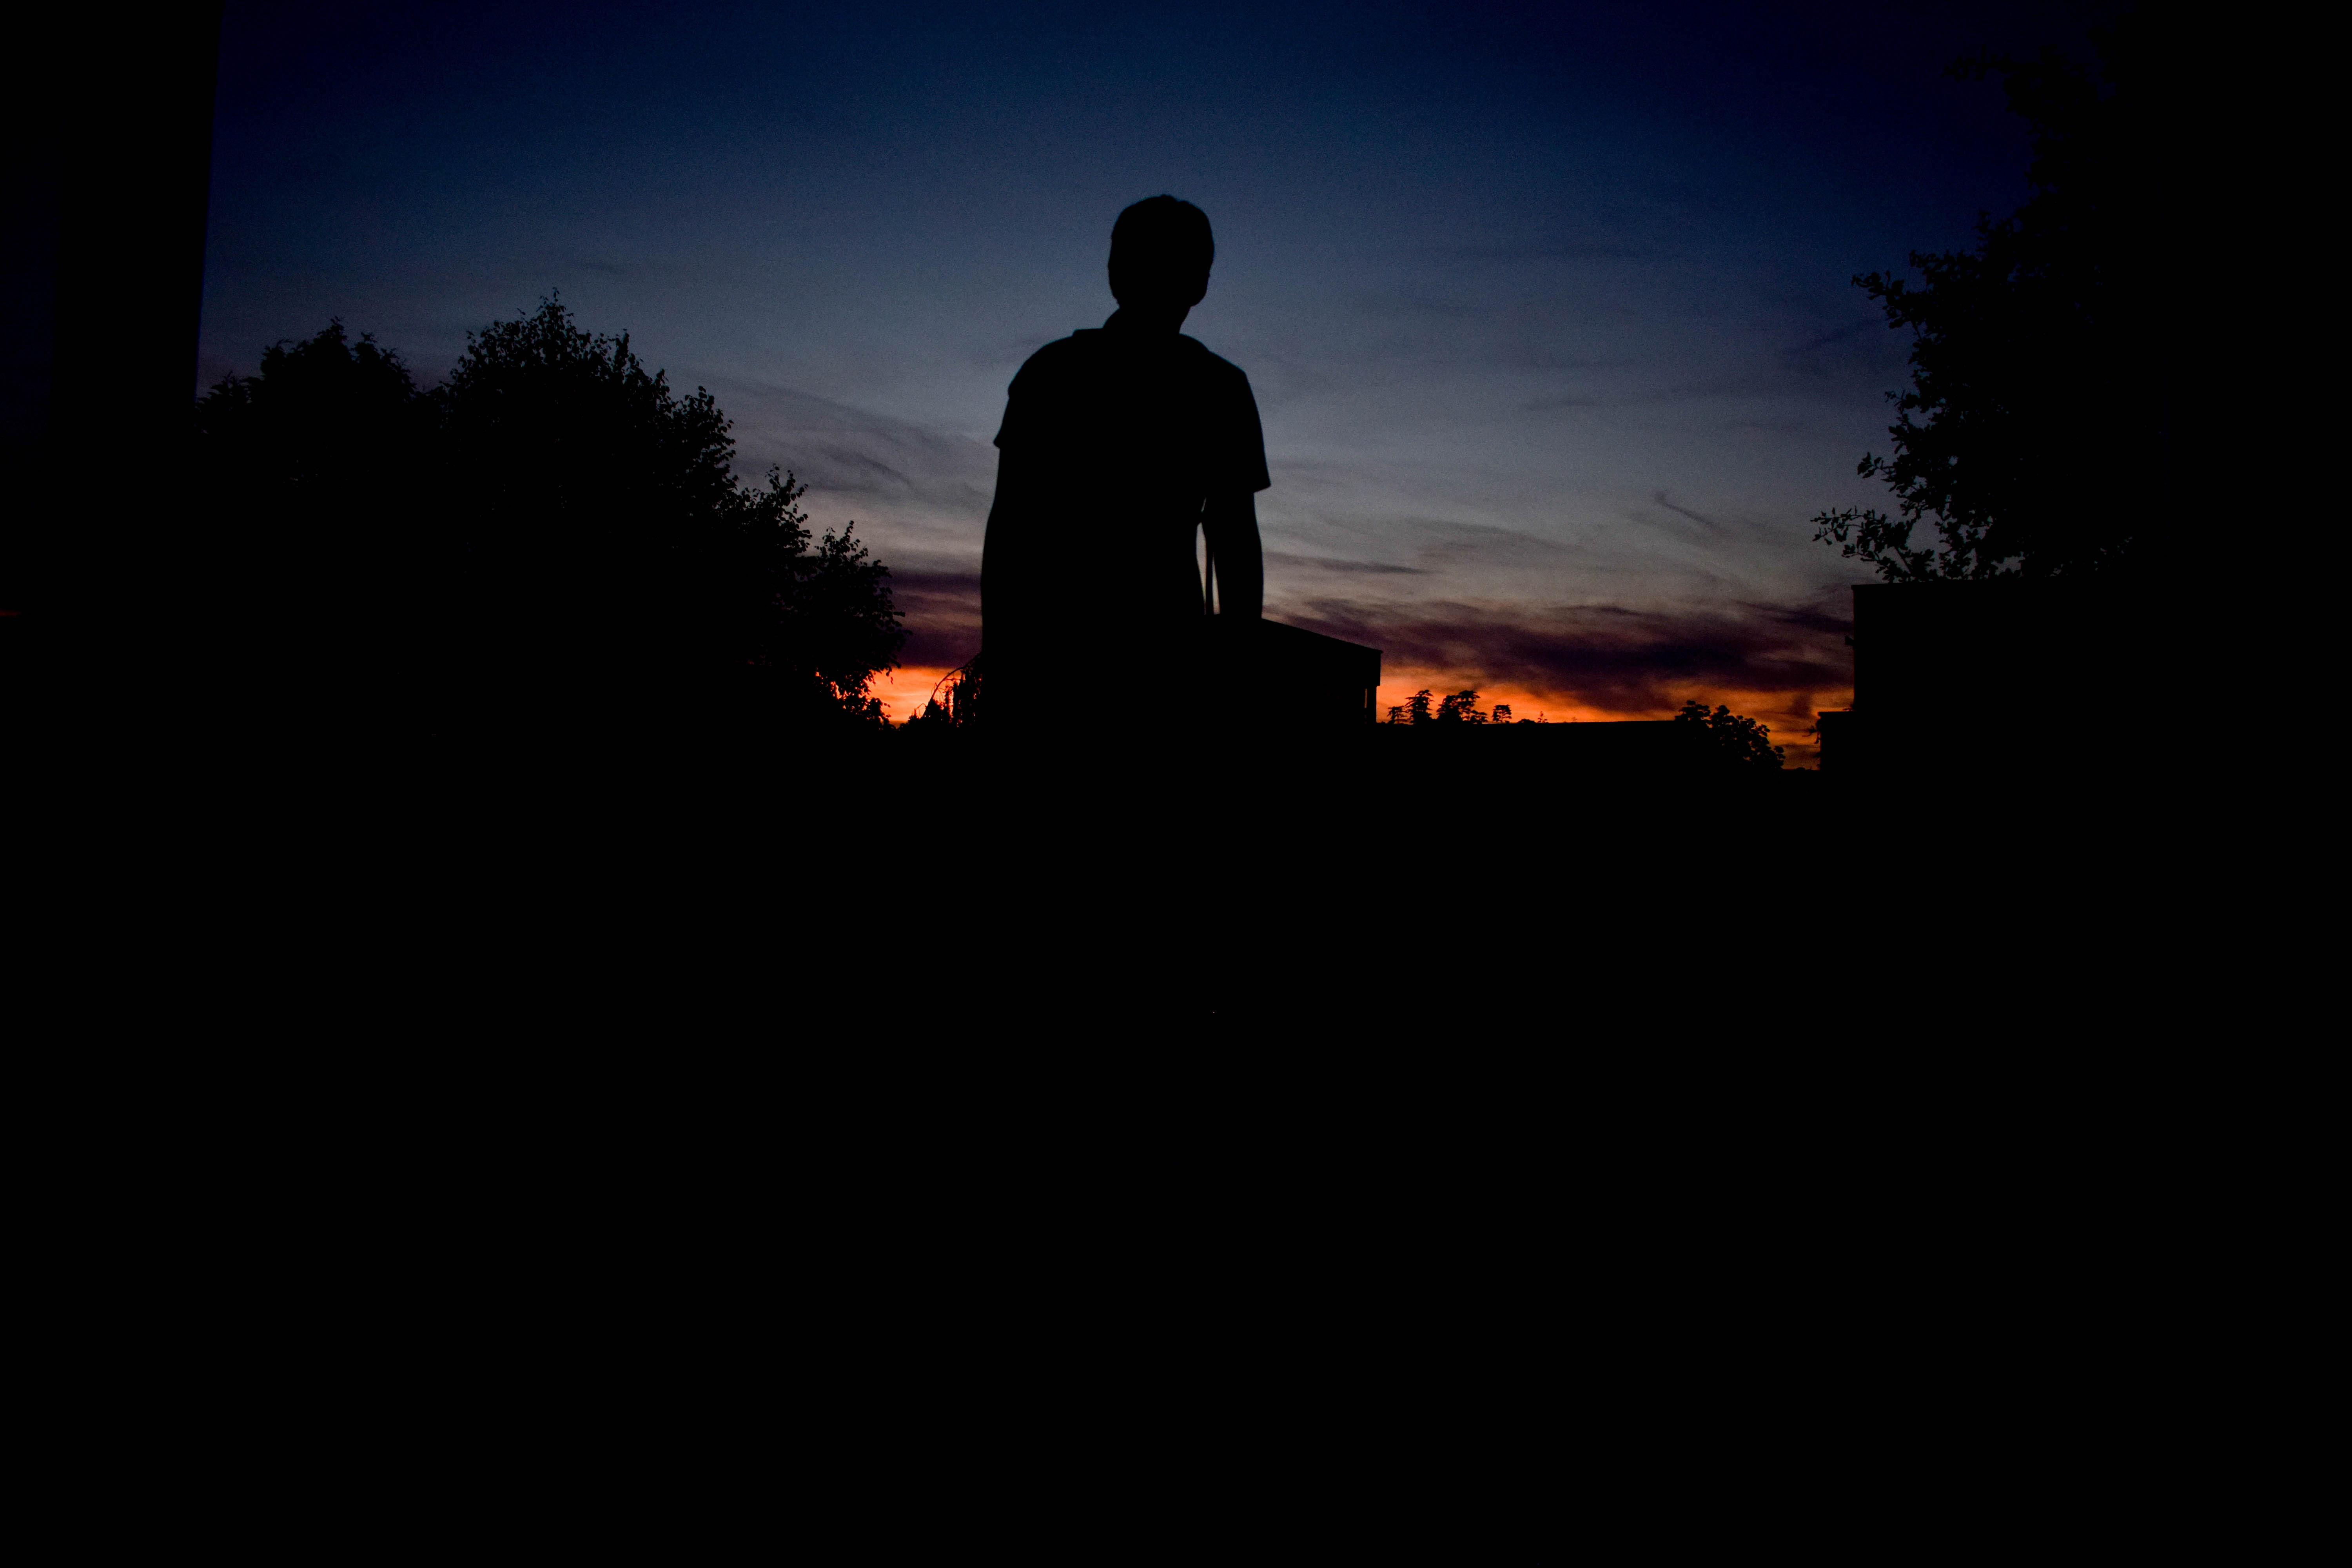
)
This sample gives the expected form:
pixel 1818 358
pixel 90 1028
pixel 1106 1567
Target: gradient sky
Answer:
pixel 1547 308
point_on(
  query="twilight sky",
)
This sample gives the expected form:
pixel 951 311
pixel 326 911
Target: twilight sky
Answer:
pixel 1546 307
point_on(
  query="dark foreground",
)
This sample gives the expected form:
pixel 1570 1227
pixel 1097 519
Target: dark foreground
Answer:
pixel 1334 890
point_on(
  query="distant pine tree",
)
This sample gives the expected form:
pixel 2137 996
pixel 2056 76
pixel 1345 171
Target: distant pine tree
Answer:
pixel 1461 708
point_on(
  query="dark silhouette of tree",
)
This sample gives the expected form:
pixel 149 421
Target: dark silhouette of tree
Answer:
pixel 1461 708
pixel 1740 741
pixel 2032 438
pixel 552 528
pixel 311 477
pixel 956 701
pixel 1416 711
pixel 600 520
pixel 318 415
pixel 817 617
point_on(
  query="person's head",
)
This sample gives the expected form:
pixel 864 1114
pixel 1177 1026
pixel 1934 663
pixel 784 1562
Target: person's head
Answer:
pixel 1160 252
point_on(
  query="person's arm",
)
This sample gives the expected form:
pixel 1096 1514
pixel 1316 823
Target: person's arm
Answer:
pixel 1231 523
pixel 1007 569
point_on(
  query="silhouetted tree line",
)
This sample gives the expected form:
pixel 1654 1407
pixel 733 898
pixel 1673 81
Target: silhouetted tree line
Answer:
pixel 2035 434
pixel 1461 708
pixel 551 532
pixel 1734 739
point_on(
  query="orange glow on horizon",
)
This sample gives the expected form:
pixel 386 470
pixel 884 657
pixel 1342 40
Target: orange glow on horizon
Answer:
pixel 1787 714
pixel 904 692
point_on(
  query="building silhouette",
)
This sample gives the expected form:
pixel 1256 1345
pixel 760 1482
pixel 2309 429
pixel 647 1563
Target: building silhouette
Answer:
pixel 2013 674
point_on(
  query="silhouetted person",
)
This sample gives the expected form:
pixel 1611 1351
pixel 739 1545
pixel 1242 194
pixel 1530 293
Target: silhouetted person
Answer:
pixel 1118 442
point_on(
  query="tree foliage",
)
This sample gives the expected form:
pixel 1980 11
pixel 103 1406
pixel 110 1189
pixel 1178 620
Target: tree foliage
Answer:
pixel 601 511
pixel 956 701
pixel 2032 436
pixel 1461 708
pixel 1736 740
pixel 553 513
pixel 318 416
pixel 312 477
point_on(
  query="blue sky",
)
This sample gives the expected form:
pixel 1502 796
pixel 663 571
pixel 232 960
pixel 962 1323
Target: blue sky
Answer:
pixel 1547 308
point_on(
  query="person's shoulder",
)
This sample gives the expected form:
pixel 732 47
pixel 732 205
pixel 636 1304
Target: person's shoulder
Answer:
pixel 1214 364
pixel 1060 357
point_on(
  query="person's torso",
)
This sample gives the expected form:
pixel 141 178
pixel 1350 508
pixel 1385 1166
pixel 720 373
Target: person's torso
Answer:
pixel 1134 422
pixel 1122 437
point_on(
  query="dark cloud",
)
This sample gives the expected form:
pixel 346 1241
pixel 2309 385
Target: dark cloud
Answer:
pixel 1321 563
pixel 1615 659
pixel 835 466
pixel 1445 542
pixel 1660 497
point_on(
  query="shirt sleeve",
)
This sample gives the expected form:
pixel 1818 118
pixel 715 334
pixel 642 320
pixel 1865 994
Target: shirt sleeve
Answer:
pixel 1016 427
pixel 1037 404
pixel 1246 459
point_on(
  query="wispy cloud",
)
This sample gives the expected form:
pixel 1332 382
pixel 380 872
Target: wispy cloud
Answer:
pixel 1324 563
pixel 1835 335
pixel 1660 497
pixel 1608 657
pixel 943 616
pixel 856 455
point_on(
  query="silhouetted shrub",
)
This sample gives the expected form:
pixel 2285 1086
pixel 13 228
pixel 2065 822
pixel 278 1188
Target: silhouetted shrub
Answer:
pixel 552 528
pixel 1740 741
pixel 311 478
pixel 600 515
